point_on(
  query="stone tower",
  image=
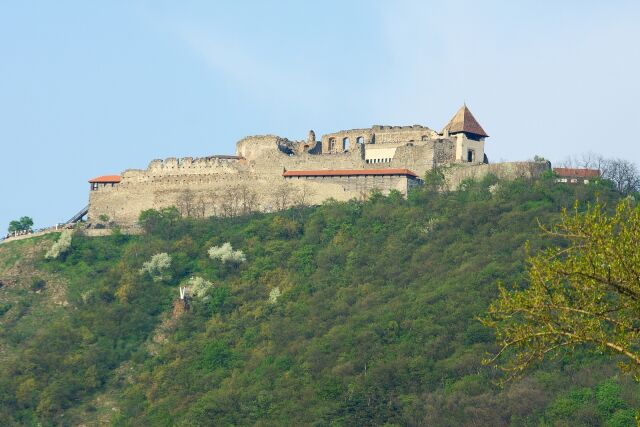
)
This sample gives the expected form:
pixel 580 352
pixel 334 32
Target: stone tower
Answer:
pixel 469 136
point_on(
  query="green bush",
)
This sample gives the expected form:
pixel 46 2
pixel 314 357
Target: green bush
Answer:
pixel 37 284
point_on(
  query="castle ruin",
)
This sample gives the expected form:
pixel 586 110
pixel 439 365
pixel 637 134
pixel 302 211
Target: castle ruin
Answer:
pixel 270 173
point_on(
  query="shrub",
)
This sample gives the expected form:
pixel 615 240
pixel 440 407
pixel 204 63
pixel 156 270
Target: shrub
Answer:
pixel 37 284
pixel 198 287
pixel 23 224
pixel 156 265
pixel 61 246
pixel 159 222
pixel 608 397
pixel 274 295
pixel 4 308
pixel 225 253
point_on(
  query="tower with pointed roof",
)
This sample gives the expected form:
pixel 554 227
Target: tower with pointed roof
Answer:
pixel 469 136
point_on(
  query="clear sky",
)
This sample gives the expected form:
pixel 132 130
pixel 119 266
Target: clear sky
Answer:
pixel 93 88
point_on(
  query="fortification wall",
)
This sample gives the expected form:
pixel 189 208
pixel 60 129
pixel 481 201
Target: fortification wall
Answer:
pixel 457 174
pixel 361 185
pixel 403 134
pixel 376 135
pixel 211 195
pixel 356 137
pixel 209 185
pixel 252 179
pixel 242 187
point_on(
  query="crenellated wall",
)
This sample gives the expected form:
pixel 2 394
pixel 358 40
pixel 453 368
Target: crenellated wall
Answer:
pixel 252 180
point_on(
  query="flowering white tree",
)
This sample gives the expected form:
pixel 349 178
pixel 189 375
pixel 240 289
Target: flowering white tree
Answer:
pixel 156 265
pixel 198 287
pixel 61 245
pixel 274 295
pixel 225 253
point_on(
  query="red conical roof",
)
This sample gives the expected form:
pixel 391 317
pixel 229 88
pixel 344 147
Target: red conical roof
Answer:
pixel 463 121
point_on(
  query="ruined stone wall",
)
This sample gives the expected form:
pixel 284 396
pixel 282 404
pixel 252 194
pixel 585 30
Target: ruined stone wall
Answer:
pixel 456 174
pixel 362 184
pixel 377 135
pixel 207 186
pixel 402 134
pixel 213 195
pixel 354 135
pixel 420 158
pixel 252 179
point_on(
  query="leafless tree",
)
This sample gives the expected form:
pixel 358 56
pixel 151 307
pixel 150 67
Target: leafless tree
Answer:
pixel 303 195
pixel 281 197
pixel 592 160
pixel 186 203
pixel 248 199
pixel 229 204
pixel 212 199
pixel 200 206
pixel 623 174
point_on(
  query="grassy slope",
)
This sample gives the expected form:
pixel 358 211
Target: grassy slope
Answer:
pixel 375 323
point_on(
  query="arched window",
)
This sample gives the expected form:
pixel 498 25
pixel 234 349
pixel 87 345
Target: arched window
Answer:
pixel 332 144
pixel 345 144
pixel 425 137
pixel 360 140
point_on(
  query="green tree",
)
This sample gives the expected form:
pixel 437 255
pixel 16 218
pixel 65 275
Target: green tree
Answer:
pixel 23 224
pixel 158 221
pixel 583 292
pixel 434 180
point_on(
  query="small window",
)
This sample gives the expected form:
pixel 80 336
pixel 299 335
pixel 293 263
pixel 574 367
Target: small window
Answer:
pixel 425 137
pixel 471 156
pixel 360 140
pixel 345 144
pixel 332 144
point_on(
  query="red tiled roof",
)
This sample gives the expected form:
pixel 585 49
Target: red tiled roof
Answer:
pixel 463 121
pixel 350 172
pixel 577 173
pixel 108 179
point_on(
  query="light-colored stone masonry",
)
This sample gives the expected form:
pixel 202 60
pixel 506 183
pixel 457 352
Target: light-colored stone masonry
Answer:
pixel 253 180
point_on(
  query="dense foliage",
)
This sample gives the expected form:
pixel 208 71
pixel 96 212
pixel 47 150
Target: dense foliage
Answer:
pixel 359 313
pixel 584 292
pixel 23 224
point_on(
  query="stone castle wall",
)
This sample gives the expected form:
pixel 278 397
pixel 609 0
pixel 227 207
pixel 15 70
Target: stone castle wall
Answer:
pixel 457 174
pixel 252 180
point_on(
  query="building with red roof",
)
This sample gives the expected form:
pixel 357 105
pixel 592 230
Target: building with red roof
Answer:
pixel 576 175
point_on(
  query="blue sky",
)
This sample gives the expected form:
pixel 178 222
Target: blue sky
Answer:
pixel 93 88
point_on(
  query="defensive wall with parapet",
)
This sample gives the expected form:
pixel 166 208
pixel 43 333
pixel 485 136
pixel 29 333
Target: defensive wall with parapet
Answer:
pixel 272 173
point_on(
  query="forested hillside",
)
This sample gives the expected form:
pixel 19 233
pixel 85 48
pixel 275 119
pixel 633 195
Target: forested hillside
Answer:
pixel 359 313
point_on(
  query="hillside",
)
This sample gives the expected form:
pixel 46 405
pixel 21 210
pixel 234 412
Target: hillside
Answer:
pixel 358 313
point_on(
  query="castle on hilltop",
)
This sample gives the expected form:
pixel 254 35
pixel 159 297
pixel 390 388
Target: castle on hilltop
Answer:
pixel 272 173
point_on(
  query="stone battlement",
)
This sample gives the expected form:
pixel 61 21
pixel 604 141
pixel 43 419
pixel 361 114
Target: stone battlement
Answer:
pixel 255 178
